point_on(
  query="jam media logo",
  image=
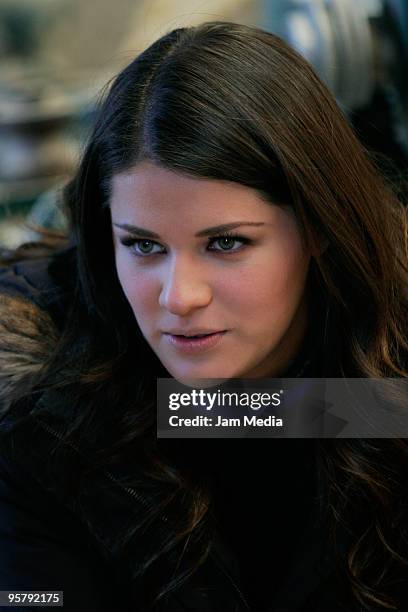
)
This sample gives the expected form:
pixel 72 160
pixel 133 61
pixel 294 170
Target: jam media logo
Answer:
pixel 253 409
pixel 318 408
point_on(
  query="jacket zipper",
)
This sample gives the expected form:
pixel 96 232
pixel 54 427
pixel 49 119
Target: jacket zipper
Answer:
pixel 148 506
pixel 129 490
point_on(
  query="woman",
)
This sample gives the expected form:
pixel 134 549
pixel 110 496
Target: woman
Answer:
pixel 211 125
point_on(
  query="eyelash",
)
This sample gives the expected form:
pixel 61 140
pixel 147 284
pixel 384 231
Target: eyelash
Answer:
pixel 130 241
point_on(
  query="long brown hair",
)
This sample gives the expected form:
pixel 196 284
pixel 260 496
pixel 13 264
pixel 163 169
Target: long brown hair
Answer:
pixel 230 102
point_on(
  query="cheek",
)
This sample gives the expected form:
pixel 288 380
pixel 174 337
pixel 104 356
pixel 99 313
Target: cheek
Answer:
pixel 275 283
pixel 139 289
pixel 290 265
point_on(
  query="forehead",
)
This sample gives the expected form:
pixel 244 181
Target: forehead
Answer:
pixel 150 189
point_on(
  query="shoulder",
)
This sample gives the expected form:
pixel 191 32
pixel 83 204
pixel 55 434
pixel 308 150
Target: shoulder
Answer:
pixel 45 547
pixel 46 282
pixel 33 301
pixel 27 336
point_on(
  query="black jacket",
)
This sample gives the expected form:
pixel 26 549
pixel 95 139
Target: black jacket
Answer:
pixel 269 552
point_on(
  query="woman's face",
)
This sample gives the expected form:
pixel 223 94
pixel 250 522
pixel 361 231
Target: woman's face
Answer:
pixel 181 277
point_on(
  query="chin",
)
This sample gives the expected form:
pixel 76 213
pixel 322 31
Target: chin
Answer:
pixel 201 383
pixel 202 379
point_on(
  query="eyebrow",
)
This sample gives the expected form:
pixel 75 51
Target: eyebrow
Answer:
pixel 209 231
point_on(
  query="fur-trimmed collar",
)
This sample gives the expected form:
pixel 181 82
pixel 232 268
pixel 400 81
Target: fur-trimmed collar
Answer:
pixel 28 335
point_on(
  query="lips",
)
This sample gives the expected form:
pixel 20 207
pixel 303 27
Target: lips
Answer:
pixel 195 336
pixel 189 333
pixel 191 344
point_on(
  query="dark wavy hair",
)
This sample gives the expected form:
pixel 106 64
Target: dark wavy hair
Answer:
pixel 230 102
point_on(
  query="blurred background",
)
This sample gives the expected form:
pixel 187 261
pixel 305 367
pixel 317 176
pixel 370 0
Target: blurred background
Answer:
pixel 56 55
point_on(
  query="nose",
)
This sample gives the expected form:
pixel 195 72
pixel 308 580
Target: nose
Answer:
pixel 184 289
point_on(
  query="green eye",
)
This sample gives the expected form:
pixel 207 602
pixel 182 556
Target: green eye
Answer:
pixel 226 243
pixel 142 246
